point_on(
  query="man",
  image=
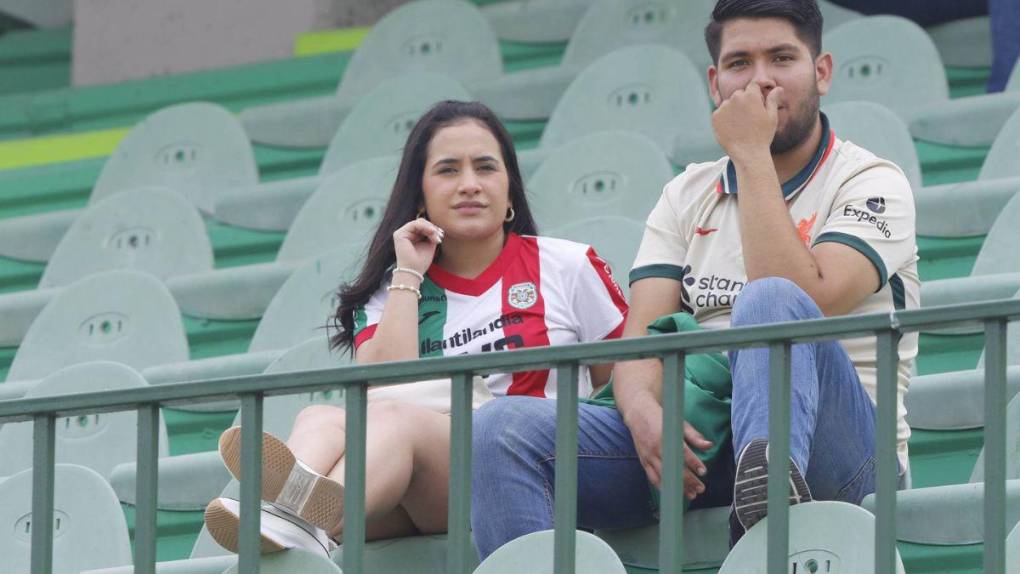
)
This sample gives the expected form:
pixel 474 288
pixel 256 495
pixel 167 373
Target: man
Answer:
pixel 792 224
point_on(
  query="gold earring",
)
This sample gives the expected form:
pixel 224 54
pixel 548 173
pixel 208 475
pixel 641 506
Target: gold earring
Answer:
pixel 510 214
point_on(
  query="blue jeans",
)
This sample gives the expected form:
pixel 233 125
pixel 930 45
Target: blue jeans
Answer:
pixel 514 438
pixel 832 419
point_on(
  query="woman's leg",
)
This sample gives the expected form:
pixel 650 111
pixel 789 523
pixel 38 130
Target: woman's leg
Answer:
pixel 407 463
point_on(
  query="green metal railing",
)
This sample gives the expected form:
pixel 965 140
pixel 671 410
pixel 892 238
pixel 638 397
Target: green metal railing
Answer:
pixel 672 349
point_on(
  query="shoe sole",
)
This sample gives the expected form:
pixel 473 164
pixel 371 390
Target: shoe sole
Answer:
pixel 224 526
pixel 750 491
pixel 311 496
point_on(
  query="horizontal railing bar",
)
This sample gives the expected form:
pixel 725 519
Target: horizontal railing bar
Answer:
pixel 517 360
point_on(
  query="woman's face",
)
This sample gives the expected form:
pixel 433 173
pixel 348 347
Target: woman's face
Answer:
pixel 465 183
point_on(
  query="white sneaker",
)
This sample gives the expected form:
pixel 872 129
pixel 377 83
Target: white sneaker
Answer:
pixel 280 530
pixel 287 482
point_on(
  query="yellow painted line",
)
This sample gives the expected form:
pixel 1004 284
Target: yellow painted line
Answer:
pixel 59 148
pixel 323 41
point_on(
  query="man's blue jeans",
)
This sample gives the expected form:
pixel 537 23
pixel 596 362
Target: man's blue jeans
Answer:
pixel 832 437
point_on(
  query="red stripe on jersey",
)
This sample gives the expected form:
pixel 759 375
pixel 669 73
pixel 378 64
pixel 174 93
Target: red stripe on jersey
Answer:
pixel 602 269
pixel 364 335
pixel 522 287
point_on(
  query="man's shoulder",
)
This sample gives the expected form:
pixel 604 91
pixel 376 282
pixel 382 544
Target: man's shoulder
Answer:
pixel 853 160
pixel 697 179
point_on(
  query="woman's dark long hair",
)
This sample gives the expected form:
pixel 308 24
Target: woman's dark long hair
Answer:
pixel 407 196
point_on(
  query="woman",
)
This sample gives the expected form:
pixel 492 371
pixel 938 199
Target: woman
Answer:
pixel 453 268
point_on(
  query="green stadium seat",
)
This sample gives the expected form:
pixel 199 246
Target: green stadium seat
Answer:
pixel 616 239
pixel 971 208
pixel 877 129
pixel 951 515
pixel 834 15
pixel 705 539
pixel 621 173
pixel 996 272
pixel 302 308
pixel 377 126
pixel 189 482
pixel 214 565
pixel 893 61
pixel 448 37
pixel 89 527
pixel 196 149
pixel 290 562
pixel 345 209
pixel 534 553
pixel 650 89
pixel 1013 551
pixel 964 43
pixel 824 537
pixel 154 230
pixel 535 21
pixel 608 26
pixel 97 441
pixel 125 316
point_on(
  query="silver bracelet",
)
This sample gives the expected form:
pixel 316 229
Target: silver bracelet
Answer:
pixel 400 287
pixel 410 272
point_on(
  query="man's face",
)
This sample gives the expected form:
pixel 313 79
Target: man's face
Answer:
pixel 767 50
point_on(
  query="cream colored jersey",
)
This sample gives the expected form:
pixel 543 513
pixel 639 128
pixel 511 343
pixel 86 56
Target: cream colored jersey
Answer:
pixel 844 195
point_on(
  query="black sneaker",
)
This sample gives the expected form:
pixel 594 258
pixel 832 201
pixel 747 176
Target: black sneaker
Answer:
pixel 751 486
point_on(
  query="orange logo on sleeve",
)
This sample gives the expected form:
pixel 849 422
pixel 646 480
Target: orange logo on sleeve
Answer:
pixel 804 228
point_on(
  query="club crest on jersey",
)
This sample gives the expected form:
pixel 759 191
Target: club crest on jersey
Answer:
pixel 522 295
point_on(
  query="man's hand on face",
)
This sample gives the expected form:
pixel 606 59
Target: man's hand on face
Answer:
pixel 745 123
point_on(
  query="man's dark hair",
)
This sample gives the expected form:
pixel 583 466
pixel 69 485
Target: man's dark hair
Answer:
pixel 803 14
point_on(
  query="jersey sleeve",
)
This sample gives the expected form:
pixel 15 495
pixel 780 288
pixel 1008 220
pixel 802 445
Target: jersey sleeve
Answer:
pixel 664 246
pixel 366 317
pixel 599 306
pixel 874 214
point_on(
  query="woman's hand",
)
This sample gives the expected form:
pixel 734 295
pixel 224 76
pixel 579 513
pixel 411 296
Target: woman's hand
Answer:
pixel 415 244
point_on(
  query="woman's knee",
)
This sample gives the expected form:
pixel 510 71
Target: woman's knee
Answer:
pixel 320 416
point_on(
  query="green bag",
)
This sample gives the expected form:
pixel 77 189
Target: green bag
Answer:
pixel 707 392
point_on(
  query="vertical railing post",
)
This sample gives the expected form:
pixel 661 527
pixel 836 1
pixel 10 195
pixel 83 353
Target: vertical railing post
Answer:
pixel 43 478
pixel 885 448
pixel 995 446
pixel 146 489
pixel 356 404
pixel 249 541
pixel 671 543
pixel 779 458
pixel 460 552
pixel 565 512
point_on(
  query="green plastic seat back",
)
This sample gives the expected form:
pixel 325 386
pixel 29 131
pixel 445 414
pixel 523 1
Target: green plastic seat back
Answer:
pixel 381 121
pixel 155 230
pixel 1013 551
pixel 290 562
pixel 197 149
pixel 834 15
pixel 877 129
pixel 616 240
pixel 124 316
pixel 653 90
pixel 885 59
pixel 346 208
pixel 1001 160
pixel 533 553
pixel 612 24
pixel 619 173
pixel 535 21
pixel 1012 444
pixel 97 441
pixel 304 306
pixel 825 537
pixel 1002 244
pixel 89 530
pixel 314 353
pixel 449 37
